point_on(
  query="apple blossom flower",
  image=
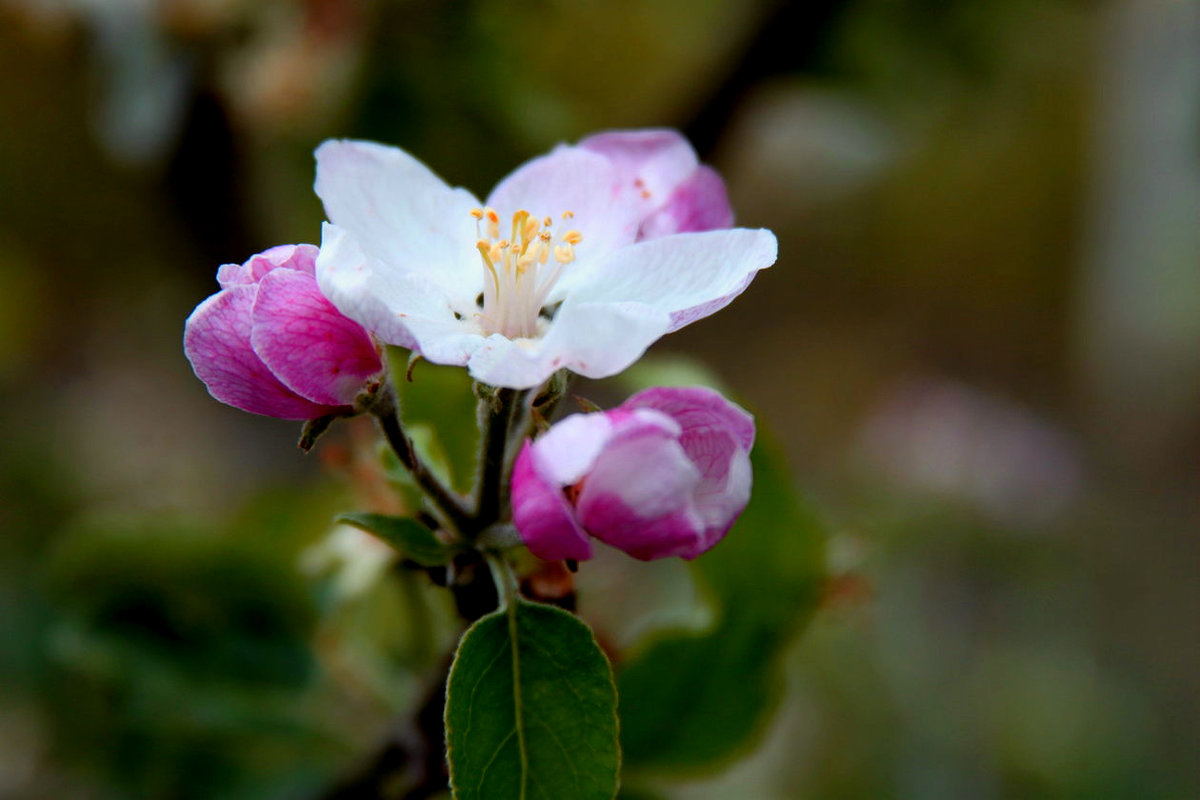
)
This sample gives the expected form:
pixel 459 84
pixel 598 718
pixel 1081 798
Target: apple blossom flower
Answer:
pixel 270 343
pixel 664 474
pixel 549 273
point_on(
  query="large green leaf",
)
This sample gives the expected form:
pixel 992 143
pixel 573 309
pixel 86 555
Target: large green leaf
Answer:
pixel 531 709
pixel 690 702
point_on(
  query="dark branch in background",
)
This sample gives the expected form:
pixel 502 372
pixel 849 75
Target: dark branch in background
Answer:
pixel 204 179
pixel 410 763
pixel 789 41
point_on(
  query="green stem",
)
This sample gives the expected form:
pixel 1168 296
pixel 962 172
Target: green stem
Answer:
pixel 496 414
pixel 448 505
pixel 505 579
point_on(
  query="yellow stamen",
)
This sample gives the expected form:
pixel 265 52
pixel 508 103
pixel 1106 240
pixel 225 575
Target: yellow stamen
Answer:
pixel 516 286
pixel 485 251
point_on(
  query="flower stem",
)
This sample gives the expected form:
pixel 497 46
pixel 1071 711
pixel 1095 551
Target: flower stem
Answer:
pixel 506 580
pixel 445 502
pixel 497 408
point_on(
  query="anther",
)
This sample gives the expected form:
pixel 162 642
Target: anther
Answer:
pixel 530 228
pixel 572 237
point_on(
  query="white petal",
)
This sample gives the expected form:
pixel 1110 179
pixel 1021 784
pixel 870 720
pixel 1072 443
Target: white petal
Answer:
pixel 593 339
pixel 400 308
pixel 567 451
pixel 688 275
pixel 575 180
pixel 648 472
pixel 399 211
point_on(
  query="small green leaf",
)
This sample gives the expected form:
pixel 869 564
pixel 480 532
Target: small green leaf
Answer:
pixel 409 537
pixel 531 709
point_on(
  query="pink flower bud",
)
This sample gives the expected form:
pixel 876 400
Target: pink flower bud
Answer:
pixel 658 169
pixel 270 342
pixel 664 474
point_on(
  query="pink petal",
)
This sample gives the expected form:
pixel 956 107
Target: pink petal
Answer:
pixel 298 257
pixel 654 161
pixel 697 409
pixel 301 257
pixel 638 496
pixel 216 341
pixel 699 203
pixel 231 275
pixel 716 436
pixel 660 173
pixel 542 514
pixel 310 346
pixel 646 539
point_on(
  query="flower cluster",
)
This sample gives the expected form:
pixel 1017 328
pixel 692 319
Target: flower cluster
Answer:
pixel 579 260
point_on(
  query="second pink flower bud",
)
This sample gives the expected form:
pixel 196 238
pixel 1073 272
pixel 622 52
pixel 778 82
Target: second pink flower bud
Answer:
pixel 665 474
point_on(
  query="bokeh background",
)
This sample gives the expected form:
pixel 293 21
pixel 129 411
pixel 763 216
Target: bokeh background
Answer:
pixel 980 352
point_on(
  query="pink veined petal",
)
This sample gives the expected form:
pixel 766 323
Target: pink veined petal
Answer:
pixel 591 339
pixel 311 347
pixel 542 514
pixel 681 275
pixel 699 203
pixel 721 502
pixel 296 257
pixel 399 212
pixel 638 496
pixel 231 275
pixel 299 257
pixel 575 180
pixel 697 409
pixel 717 436
pixel 216 341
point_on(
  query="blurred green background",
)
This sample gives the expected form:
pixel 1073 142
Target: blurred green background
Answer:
pixel 980 351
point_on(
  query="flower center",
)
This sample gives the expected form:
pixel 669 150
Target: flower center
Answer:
pixel 518 273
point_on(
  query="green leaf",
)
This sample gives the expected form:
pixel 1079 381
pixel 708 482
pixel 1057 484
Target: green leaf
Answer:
pixel 409 537
pixel 531 709
pixel 692 702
